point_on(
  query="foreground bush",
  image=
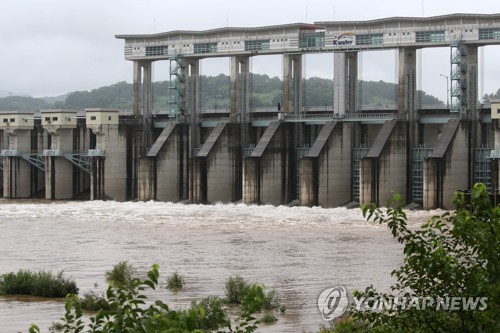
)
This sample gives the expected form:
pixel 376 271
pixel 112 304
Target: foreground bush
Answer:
pixel 456 254
pixel 128 312
pixel 41 283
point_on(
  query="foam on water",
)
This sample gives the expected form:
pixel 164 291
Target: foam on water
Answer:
pixel 297 250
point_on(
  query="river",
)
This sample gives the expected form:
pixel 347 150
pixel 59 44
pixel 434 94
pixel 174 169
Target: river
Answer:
pixel 299 251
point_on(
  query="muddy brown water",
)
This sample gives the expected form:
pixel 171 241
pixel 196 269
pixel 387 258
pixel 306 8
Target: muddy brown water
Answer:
pixel 298 251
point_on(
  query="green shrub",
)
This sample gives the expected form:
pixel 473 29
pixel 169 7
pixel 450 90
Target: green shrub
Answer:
pixel 128 312
pixel 175 281
pixel 93 302
pixel 235 289
pixel 121 275
pixel 41 283
pixel 215 314
pixel 453 254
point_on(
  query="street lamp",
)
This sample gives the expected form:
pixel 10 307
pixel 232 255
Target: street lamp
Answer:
pixel 447 91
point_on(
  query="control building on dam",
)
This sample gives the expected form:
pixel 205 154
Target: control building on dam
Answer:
pixel 318 156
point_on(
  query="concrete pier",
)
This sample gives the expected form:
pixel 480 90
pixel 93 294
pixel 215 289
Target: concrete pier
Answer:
pixel 110 158
pixel 326 170
pixel 268 172
pixel 383 171
pixel 21 178
pixel 61 175
pixel 217 166
pixel 447 168
pixel 165 169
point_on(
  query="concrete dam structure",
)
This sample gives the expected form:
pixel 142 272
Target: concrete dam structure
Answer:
pixel 289 153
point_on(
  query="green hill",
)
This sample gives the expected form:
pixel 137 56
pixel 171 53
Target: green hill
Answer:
pixel 214 93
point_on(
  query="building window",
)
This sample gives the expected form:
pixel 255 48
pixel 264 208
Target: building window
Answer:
pixel 160 50
pixel 12 120
pixel 5 120
pixel 93 118
pixel 47 119
pixel 109 117
pixel 312 39
pixel 429 36
pixel 257 45
pixel 370 39
pixel 205 47
pixel 489 33
pixel 54 118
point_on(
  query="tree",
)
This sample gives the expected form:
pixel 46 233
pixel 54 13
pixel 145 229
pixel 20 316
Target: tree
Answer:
pixel 455 254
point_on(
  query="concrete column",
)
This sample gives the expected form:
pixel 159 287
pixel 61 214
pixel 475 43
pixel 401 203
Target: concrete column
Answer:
pixel 497 147
pixel 17 175
pixel 292 83
pixel 240 89
pixel 172 166
pixel 407 85
pixel 136 86
pixel 112 178
pixel 345 77
pixel 59 171
pixel 352 79
pixel 192 89
pixel 470 106
pixel 146 179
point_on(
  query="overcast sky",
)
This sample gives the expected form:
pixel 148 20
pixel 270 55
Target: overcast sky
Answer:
pixel 51 47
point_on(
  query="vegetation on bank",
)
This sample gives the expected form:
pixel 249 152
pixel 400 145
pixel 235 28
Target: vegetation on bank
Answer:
pixel 129 311
pixel 456 254
pixel 41 283
pixel 214 93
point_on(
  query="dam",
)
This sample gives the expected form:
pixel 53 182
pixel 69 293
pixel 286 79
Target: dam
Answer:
pixel 290 153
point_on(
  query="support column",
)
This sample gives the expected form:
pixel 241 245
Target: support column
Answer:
pixel 240 89
pixel 136 86
pixel 59 171
pixel 345 77
pixel 407 87
pixel 18 173
pixel 147 105
pixel 469 107
pixel 292 83
pixel 192 90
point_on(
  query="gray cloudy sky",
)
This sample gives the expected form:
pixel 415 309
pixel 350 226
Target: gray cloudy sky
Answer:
pixel 51 47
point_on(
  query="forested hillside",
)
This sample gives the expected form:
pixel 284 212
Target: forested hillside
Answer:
pixel 214 93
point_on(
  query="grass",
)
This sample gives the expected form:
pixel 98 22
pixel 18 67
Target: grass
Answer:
pixel 41 283
pixel 121 275
pixel 175 281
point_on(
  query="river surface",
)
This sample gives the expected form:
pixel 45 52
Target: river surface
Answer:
pixel 298 251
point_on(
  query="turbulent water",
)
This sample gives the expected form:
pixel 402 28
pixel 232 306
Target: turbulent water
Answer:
pixel 298 251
